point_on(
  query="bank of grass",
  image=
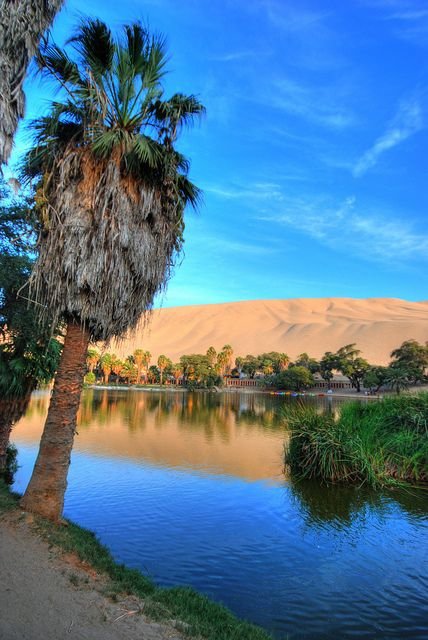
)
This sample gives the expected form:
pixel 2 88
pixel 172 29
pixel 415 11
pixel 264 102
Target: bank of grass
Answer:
pixel 197 615
pixel 379 443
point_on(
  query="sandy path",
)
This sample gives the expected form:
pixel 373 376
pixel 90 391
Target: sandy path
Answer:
pixel 46 596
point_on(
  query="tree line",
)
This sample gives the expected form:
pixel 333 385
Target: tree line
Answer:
pixel 408 366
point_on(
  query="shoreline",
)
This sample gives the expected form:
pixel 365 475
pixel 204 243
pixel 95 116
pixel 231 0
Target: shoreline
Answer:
pixel 246 390
pixel 90 594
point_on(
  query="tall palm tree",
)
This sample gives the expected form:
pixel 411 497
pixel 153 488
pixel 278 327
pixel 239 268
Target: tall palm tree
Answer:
pixel 92 359
pixel 163 362
pixel 177 372
pixel 138 356
pixel 228 351
pixel 21 26
pixel 107 361
pixel 112 195
pixel 212 356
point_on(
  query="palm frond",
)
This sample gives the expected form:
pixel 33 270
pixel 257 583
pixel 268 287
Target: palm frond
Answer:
pixel 94 42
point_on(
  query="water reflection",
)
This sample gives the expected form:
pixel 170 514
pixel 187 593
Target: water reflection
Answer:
pixel 211 508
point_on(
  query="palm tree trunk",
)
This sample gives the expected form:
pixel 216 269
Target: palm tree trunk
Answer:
pixel 46 489
pixel 11 410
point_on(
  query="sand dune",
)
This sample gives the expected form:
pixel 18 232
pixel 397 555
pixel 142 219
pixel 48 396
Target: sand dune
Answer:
pixel 376 325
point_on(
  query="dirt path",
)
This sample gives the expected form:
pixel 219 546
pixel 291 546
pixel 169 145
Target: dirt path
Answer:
pixel 45 595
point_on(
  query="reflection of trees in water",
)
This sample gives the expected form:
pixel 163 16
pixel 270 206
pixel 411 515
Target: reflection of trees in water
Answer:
pixel 39 405
pixel 213 414
pixel 340 506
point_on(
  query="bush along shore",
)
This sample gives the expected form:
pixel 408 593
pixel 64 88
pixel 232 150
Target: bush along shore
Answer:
pixel 199 617
pixel 380 444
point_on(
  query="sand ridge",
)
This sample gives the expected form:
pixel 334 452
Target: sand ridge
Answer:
pixel 314 325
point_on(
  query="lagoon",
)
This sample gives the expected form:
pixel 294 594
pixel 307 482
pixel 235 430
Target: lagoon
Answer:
pixel 190 488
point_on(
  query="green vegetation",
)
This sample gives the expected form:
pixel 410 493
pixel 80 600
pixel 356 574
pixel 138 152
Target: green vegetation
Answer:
pixel 377 443
pixel 200 617
pixel 28 354
pixel 275 370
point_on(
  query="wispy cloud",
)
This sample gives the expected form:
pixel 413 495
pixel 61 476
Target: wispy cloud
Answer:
pixel 320 105
pixel 219 245
pixel 407 121
pixel 409 18
pixel 349 228
pixel 258 190
pixel 236 56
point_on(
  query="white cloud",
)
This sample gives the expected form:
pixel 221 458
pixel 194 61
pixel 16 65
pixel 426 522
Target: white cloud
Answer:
pixel 311 103
pixel 371 235
pixel 407 122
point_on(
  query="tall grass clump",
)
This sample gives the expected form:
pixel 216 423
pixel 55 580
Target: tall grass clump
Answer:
pixel 376 443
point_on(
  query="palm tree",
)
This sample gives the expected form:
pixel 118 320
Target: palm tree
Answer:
pixel 283 361
pixel 397 378
pixel 21 26
pixel 212 356
pixel 129 371
pixel 228 351
pixel 117 367
pixel 107 361
pixel 138 356
pixel 112 194
pixel 92 359
pixel 177 372
pixel 146 363
pixel 163 362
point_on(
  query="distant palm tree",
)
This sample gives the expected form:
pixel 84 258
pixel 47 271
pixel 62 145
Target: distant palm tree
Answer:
pixel 212 356
pixel 129 371
pixel 138 356
pixel 117 367
pixel 163 362
pixel 177 372
pixel 112 194
pixel 227 358
pixel 21 26
pixel 107 361
pixel 92 359
pixel 397 378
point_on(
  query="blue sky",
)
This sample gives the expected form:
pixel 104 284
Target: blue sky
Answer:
pixel 313 153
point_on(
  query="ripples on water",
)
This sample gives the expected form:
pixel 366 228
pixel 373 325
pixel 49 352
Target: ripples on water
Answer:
pixel 189 488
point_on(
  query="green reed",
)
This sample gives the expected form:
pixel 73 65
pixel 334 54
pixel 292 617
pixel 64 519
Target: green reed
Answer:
pixel 377 443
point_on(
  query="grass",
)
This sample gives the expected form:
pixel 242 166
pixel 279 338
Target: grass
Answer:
pixel 380 443
pixel 198 616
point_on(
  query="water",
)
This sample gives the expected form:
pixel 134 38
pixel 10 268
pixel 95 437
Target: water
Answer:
pixel 190 489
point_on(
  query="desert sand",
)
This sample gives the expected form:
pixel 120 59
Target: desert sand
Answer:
pixel 48 595
pixel 316 325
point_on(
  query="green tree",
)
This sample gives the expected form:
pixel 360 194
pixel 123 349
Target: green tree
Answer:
pixel 108 172
pixel 397 378
pixel 293 379
pixel 28 354
pixel 250 365
pixel 375 377
pixel 304 360
pixel 351 365
pixel 412 357
pixel 328 364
